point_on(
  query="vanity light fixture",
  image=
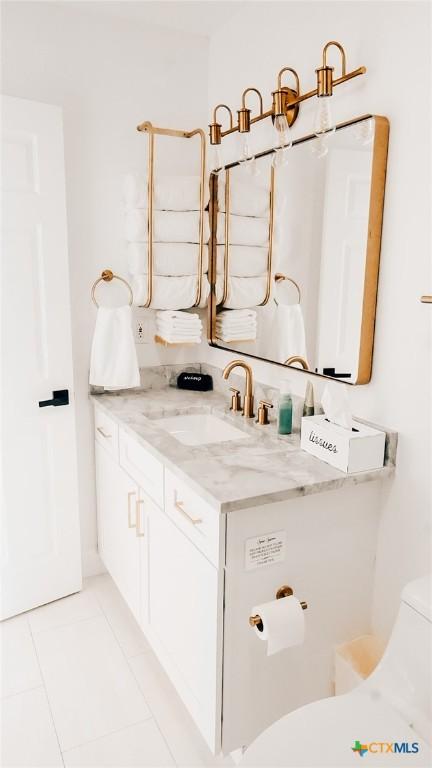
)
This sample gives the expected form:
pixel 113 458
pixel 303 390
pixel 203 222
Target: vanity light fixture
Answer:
pixel 216 135
pixel 244 124
pixel 286 103
pixel 323 122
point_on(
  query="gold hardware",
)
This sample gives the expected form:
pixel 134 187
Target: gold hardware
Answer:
pixel 104 434
pixel 138 532
pixel 215 127
pixel 244 114
pixel 180 508
pixel 263 416
pixel 325 73
pixel 283 96
pixel 248 398
pixel 235 400
pixel 285 591
pixel 279 278
pixel 106 276
pixel 130 523
pixel 426 299
pixel 153 131
pixel 286 100
pixel 298 359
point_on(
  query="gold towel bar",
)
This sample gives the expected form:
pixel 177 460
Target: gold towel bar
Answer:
pixel 107 275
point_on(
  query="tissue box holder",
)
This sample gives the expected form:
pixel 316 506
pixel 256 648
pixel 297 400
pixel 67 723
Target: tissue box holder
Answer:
pixel 358 450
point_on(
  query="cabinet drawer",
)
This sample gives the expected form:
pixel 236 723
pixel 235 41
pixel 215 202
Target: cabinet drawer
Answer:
pixel 142 466
pixel 106 432
pixel 195 517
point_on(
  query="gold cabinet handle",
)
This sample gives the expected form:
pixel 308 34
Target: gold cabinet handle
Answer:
pixel 138 531
pixel 426 299
pixel 130 523
pixel 194 520
pixel 104 434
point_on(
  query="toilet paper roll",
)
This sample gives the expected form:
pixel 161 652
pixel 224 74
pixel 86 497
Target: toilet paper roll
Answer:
pixel 283 623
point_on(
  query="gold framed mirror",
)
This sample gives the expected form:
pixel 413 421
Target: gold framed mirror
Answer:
pixel 295 249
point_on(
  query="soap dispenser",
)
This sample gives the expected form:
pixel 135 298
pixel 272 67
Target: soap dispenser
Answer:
pixel 285 417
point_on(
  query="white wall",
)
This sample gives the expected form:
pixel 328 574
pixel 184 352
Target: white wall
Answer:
pixel 250 50
pixel 108 75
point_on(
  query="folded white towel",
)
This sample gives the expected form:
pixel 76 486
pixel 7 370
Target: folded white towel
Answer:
pixel 246 199
pixel 113 362
pixel 171 193
pixel 244 260
pixel 242 291
pixel 178 316
pixel 180 329
pixel 173 259
pixel 227 336
pixel 168 226
pixel 244 230
pixel 170 292
pixel 236 314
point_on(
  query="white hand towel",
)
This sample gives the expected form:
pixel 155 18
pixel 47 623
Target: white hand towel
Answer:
pixel 244 260
pixel 173 259
pixel 242 291
pixel 289 331
pixel 168 226
pixel 244 230
pixel 246 199
pixel 171 193
pixel 180 328
pixel 170 292
pixel 113 363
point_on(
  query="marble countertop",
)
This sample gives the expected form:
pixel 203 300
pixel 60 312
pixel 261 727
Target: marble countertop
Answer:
pixel 262 469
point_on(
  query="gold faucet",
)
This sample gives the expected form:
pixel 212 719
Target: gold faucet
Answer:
pixel 298 359
pixel 248 407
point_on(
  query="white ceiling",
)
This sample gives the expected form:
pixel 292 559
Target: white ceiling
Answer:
pixel 200 17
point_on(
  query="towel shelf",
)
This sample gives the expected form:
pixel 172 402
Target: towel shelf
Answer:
pixel 106 276
pixel 153 131
pixel 159 340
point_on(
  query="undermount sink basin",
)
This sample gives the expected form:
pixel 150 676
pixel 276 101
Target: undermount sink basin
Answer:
pixel 200 429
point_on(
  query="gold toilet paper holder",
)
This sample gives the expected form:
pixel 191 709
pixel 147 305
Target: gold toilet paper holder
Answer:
pixel 284 591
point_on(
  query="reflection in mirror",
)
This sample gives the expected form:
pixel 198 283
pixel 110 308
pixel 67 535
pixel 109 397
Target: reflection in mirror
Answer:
pixel 296 270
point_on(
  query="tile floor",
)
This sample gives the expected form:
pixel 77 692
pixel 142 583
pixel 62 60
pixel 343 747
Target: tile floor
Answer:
pixel 81 687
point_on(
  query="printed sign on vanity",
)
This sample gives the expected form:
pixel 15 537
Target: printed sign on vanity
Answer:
pixel 357 450
pixel 266 549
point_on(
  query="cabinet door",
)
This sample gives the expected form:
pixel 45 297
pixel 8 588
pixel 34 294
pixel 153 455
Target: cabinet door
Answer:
pixel 117 497
pixel 184 601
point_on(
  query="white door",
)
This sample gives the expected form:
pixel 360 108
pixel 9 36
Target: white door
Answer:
pixel 41 558
pixel 343 260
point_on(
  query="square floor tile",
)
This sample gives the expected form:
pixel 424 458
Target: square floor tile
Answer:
pixel 28 737
pixel 180 732
pixel 19 664
pixel 120 618
pixel 91 689
pixel 138 745
pixel 67 610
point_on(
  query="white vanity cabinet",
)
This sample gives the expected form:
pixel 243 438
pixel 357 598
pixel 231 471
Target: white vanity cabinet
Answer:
pixel 186 571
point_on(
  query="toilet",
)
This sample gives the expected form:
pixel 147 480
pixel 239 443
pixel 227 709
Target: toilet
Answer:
pixel 387 719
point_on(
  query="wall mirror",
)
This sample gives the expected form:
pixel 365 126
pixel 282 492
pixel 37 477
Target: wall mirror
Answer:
pixel 295 244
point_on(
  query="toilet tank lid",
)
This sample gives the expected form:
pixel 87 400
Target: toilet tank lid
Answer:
pixel 418 595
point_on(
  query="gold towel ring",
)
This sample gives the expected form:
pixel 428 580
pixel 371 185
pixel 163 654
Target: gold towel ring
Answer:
pixel 107 275
pixel 279 278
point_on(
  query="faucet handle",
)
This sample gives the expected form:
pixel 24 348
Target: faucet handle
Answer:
pixel 235 400
pixel 263 410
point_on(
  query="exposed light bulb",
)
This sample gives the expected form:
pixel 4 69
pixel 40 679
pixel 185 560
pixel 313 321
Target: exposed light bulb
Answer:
pixel 247 159
pixel 324 126
pixel 323 117
pixel 217 159
pixel 281 152
pixel 365 132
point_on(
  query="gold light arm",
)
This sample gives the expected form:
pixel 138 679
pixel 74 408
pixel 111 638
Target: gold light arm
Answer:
pixel 255 90
pixel 342 53
pixel 297 79
pixel 153 131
